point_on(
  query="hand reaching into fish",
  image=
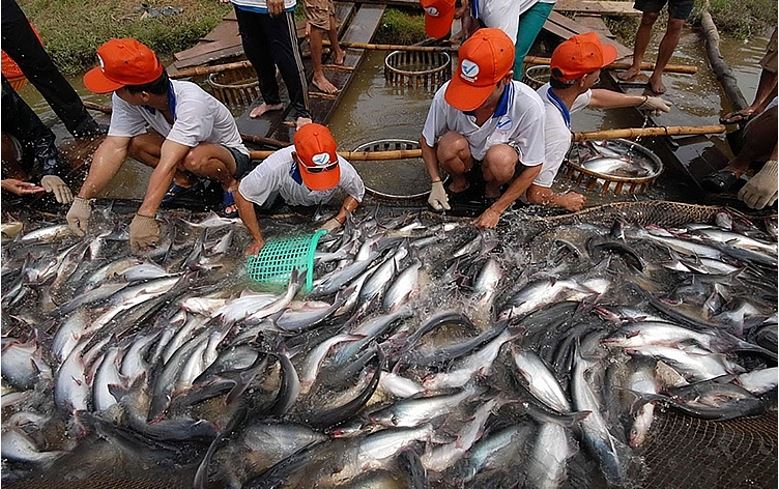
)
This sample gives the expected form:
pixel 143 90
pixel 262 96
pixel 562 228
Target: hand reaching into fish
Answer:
pixel 20 187
pixel 254 247
pixel 573 201
pixel 144 232
pixel 488 219
pixel 655 105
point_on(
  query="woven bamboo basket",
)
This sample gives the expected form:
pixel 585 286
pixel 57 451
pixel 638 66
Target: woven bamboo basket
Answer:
pixel 536 76
pixel 418 69
pixel 235 88
pixel 604 183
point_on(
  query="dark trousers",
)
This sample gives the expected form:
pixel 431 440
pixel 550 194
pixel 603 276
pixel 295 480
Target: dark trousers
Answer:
pixel 37 140
pixel 20 43
pixel 269 42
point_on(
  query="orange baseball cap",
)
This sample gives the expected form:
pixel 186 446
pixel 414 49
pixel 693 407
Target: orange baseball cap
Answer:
pixel 122 62
pixel 439 15
pixel 581 54
pixel 485 59
pixel 317 157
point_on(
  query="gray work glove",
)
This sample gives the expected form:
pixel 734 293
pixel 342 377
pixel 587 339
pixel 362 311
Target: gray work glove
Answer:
pixel 78 216
pixel 655 105
pixel 330 225
pixel 438 199
pixel 144 232
pixel 760 190
pixel 54 184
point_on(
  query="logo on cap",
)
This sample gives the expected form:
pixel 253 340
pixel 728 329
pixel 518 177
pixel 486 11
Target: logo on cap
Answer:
pixel 432 11
pixel 470 70
pixel 321 159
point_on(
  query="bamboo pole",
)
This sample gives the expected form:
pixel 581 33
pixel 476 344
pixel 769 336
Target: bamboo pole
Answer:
pixel 531 60
pixel 105 109
pixel 628 133
pixel 645 132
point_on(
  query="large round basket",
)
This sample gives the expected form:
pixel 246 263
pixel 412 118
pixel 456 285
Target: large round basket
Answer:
pixel 536 76
pixel 616 184
pixel 393 180
pixel 428 70
pixel 235 88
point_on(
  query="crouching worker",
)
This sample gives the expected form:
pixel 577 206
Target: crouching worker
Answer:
pixel 173 126
pixel 307 173
pixel 483 121
pixel 28 151
pixel 575 69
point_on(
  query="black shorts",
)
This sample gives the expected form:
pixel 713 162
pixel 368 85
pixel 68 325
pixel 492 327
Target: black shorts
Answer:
pixel 243 163
pixel 677 9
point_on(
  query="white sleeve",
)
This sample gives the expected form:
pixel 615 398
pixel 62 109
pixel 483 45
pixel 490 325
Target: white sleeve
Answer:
pixel 557 148
pixel 435 124
pixel 582 101
pixel 529 139
pixel 126 121
pixel 351 182
pixel 260 183
pixel 194 123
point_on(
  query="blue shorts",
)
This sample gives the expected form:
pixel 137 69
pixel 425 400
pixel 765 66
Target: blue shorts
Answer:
pixel 243 163
pixel 677 9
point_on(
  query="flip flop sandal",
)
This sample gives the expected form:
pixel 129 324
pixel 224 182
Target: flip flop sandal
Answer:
pixel 228 201
pixel 721 181
pixel 736 118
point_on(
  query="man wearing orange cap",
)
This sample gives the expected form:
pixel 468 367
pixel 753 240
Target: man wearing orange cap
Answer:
pixel 483 118
pixel 307 173
pixel 173 126
pixel 575 67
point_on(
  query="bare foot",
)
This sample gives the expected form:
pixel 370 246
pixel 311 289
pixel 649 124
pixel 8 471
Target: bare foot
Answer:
pixel 323 84
pixel 629 74
pixel 302 121
pixel 459 184
pixel 340 56
pixel 261 109
pixel 656 85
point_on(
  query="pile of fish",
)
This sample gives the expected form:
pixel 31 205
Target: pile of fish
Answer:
pixel 427 354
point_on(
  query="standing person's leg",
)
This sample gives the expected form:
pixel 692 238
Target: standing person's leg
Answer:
pixel 21 44
pixel 766 86
pixel 651 10
pixel 255 44
pixel 338 54
pixel 678 11
pixel 318 18
pixel 530 24
pixel 283 44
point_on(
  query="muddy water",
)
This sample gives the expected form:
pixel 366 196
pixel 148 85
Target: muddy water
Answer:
pixel 372 110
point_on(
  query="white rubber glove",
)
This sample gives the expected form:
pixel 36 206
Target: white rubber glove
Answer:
pixel 438 199
pixel 330 225
pixel 760 190
pixel 655 105
pixel 78 216
pixel 54 184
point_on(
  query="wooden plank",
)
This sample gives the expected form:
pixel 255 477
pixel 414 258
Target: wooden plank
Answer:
pixel 558 24
pixel 597 7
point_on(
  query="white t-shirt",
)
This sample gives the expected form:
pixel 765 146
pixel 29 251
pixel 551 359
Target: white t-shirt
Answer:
pixel 557 134
pixel 198 118
pixel 277 174
pixel 518 119
pixel 503 14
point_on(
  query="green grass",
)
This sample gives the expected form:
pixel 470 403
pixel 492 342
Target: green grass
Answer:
pixel 739 18
pixel 73 29
pixel 399 26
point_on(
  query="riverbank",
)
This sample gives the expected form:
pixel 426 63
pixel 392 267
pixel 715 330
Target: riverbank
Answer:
pixel 72 29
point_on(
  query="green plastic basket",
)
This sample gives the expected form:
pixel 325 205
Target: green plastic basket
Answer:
pixel 279 257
